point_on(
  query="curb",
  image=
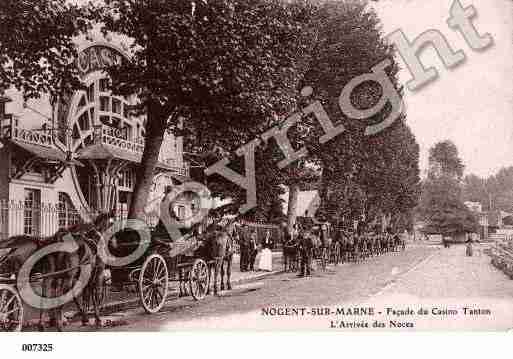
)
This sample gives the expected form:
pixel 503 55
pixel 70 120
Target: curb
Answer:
pixel 133 303
pixel 119 306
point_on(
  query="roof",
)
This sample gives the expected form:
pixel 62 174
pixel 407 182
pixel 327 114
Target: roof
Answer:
pixel 45 152
pixel 105 152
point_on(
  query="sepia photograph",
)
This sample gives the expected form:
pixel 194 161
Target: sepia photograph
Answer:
pixel 338 166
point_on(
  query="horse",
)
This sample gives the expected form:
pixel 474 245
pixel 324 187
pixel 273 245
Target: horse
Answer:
pixel 218 248
pixel 335 252
pixel 22 247
pixel 346 246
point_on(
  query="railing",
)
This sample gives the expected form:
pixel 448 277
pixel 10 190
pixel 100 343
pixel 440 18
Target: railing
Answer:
pixel 10 129
pixel 117 138
pixel 108 135
pixel 502 256
pixel 46 219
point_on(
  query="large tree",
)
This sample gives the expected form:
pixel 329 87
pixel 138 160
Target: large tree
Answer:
pixel 221 66
pixel 378 174
pixel 443 209
pixel 444 160
pixel 441 202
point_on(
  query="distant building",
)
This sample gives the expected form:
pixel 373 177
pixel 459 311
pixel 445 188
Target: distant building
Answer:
pixel 474 206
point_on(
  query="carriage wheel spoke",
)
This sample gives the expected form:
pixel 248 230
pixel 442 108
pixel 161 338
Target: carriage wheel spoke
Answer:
pixel 158 295
pixel 156 269
pixel 147 294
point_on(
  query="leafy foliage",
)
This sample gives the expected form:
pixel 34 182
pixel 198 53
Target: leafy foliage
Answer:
pixel 494 192
pixel 443 209
pixel 370 176
pixel 224 67
pixel 443 158
pixel 36 45
pixel 441 203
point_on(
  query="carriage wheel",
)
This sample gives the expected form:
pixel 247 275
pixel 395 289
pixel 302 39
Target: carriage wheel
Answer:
pixel 198 279
pixel 11 309
pixel 153 282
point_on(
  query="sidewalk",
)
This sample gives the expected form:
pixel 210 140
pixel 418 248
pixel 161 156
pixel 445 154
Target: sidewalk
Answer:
pixel 448 284
pixel 120 301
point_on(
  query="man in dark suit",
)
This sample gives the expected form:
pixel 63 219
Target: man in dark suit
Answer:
pixel 244 246
pixel 305 251
pixel 252 249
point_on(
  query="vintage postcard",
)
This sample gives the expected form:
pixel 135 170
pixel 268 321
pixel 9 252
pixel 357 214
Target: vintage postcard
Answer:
pixel 256 165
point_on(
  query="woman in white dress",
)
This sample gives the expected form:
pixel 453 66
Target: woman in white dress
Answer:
pixel 266 256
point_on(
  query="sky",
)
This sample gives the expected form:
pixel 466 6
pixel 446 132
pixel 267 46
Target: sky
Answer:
pixel 472 104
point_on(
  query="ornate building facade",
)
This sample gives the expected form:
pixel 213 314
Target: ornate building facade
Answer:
pixel 83 160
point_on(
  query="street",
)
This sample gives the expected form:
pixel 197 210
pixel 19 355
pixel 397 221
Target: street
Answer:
pixel 455 292
pixel 241 308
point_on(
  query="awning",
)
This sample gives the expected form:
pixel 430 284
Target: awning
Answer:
pixel 52 154
pixel 180 178
pixel 47 153
pixel 106 152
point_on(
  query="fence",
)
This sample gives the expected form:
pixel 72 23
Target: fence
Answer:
pixel 18 218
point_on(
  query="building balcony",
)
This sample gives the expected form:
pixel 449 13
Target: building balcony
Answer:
pixel 11 130
pixel 114 137
pixel 105 135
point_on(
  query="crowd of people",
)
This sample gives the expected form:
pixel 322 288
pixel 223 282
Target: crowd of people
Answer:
pixel 306 243
pixel 302 244
pixel 250 246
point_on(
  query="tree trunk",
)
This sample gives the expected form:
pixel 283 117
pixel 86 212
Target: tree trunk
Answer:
pixel 292 209
pixel 324 194
pixel 155 130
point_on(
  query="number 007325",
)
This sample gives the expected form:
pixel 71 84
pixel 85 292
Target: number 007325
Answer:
pixel 37 347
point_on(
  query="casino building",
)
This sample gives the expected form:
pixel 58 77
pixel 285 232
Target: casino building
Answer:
pixel 82 159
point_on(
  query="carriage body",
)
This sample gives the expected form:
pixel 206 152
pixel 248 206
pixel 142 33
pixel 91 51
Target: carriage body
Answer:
pixel 184 261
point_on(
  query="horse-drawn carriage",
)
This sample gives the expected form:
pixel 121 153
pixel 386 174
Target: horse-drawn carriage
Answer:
pixel 315 238
pixel 165 262
pixel 188 261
